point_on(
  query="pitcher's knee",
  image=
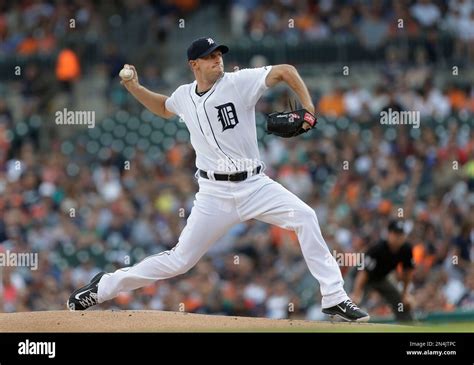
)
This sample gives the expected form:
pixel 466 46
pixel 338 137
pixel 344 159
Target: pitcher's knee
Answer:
pixel 306 214
pixel 301 217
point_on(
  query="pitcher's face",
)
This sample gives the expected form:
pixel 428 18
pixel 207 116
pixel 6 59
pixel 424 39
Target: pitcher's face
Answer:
pixel 210 67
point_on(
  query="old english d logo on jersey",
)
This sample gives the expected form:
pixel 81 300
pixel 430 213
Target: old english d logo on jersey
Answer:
pixel 227 116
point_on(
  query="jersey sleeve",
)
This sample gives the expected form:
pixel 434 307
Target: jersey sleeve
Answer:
pixel 172 103
pixel 250 83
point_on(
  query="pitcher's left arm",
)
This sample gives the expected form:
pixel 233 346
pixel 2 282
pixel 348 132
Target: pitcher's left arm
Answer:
pixel 289 75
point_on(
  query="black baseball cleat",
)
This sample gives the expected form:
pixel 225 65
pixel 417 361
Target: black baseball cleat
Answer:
pixel 85 297
pixel 347 311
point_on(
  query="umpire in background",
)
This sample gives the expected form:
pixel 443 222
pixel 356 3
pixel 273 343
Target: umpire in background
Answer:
pixel 382 259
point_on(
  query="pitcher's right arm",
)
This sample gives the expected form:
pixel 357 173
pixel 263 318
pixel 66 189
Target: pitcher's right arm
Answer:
pixel 154 102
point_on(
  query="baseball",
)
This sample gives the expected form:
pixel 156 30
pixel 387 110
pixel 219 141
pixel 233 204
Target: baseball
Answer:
pixel 126 74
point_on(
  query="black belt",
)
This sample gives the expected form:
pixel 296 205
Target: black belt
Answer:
pixel 238 176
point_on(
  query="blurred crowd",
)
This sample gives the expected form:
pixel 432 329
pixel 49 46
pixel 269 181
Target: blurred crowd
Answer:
pixel 83 213
pixel 363 104
pixel 36 26
pixel 373 23
pixel 42 27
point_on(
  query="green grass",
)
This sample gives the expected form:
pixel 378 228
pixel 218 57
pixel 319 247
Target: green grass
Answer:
pixel 371 328
pixel 445 327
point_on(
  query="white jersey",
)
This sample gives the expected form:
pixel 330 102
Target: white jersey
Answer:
pixel 221 122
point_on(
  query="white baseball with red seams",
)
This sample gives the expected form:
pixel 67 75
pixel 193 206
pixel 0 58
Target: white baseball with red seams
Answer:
pixel 222 127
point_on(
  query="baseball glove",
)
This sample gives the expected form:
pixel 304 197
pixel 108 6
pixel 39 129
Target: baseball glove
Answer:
pixel 290 124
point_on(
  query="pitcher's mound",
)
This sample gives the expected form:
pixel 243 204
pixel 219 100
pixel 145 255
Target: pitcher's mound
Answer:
pixel 158 321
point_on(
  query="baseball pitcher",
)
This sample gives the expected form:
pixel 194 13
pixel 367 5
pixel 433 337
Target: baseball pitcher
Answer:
pixel 219 111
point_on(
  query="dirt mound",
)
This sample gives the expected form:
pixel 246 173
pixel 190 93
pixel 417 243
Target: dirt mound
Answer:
pixel 157 321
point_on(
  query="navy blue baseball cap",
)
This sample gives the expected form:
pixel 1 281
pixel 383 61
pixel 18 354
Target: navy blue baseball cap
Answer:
pixel 396 226
pixel 202 47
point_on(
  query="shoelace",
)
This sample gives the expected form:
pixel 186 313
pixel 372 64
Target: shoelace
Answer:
pixel 89 300
pixel 351 305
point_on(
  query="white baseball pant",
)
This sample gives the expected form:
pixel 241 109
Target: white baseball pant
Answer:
pixel 218 206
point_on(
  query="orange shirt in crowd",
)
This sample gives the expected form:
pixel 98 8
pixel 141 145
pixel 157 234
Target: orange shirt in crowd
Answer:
pixel 28 46
pixel 186 5
pixel 305 21
pixel 332 104
pixel 421 257
pixel 279 235
pixel 457 99
pixel 353 192
pixel 175 156
pixel 385 207
pixel 68 67
pixel 192 303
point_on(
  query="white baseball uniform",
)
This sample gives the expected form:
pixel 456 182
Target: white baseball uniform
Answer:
pixel 223 133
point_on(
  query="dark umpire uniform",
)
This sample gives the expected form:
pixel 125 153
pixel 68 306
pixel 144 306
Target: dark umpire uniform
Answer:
pixel 379 261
